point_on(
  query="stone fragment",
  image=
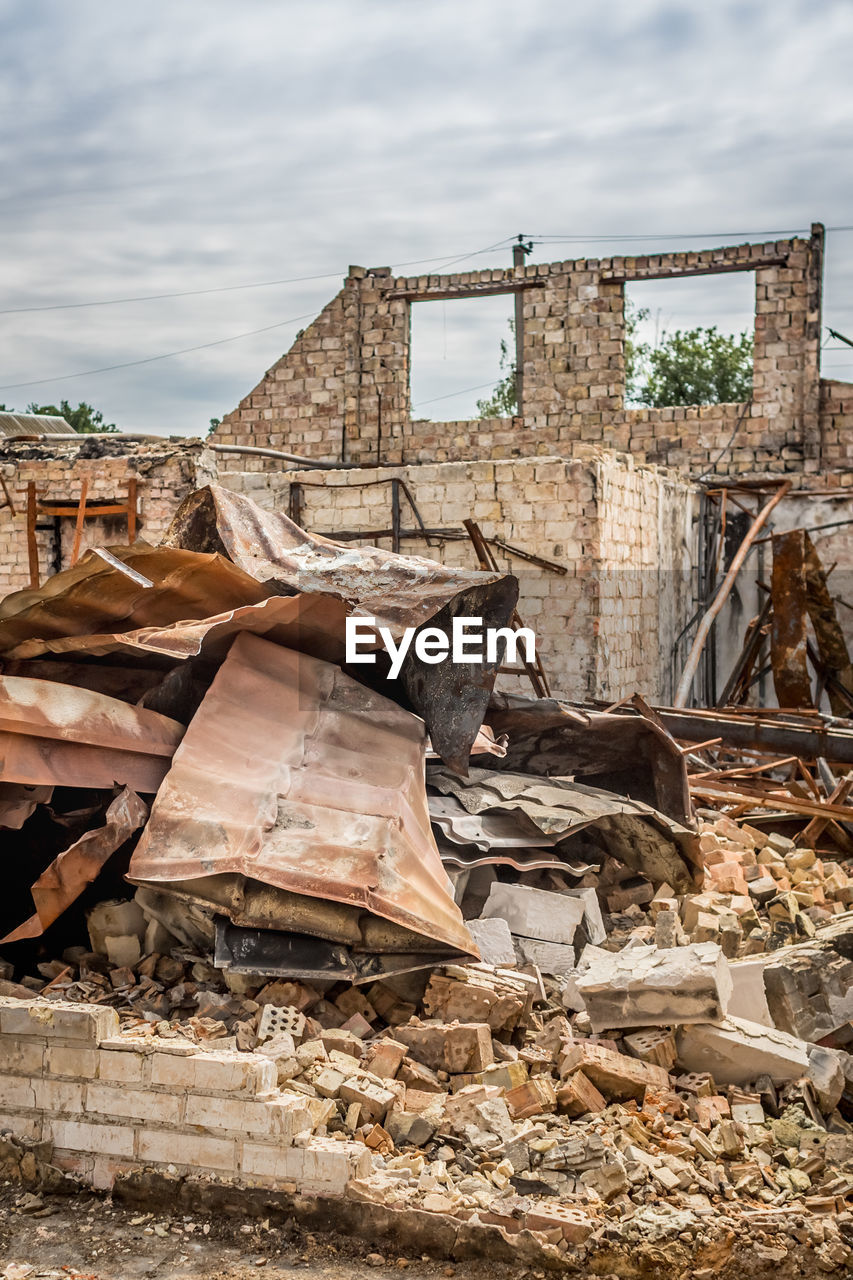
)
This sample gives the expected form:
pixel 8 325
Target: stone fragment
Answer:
pixel 553 958
pixel 535 1097
pixel 645 986
pixel 494 941
pixel 652 1045
pixel 409 1128
pixel 456 1048
pixel 506 1075
pixel 578 1096
pixel 736 1051
pixel 534 913
pixel 574 1225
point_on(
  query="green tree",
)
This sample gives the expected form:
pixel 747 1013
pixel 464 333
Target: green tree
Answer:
pixel 636 353
pixel 697 366
pixel 503 402
pixel 84 418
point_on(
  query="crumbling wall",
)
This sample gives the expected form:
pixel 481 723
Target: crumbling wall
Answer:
pixel 109 1105
pixel 619 531
pixel 646 577
pixel 342 391
pixel 165 473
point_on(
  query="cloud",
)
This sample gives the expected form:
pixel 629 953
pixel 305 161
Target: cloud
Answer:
pixel 167 147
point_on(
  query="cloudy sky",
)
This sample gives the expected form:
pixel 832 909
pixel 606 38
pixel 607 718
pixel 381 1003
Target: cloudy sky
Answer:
pixel 167 148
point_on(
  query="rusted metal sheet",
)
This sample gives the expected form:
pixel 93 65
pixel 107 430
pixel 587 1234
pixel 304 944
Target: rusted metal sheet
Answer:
pixel 18 802
pixel 64 880
pixel 55 735
pixel 124 588
pixel 800 595
pixel 398 591
pixel 297 802
pixel 629 755
pixel 634 833
pixel 311 623
pixel 788 633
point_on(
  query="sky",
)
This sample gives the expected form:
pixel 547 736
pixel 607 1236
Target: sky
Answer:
pixel 172 148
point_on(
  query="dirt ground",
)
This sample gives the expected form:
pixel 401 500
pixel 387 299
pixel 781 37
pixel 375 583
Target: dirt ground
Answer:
pixel 85 1237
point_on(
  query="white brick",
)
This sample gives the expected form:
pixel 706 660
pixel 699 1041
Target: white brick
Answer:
pixel 68 1060
pixel 59 1095
pixel 101 1139
pixel 121 1068
pixel 87 1024
pixel 169 1146
pixel 136 1104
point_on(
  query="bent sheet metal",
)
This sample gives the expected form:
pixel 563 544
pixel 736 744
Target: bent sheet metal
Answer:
pixel 398 591
pixel 297 804
pixel 56 735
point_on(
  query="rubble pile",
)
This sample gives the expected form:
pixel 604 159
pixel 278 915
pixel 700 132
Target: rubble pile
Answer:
pixel 506 960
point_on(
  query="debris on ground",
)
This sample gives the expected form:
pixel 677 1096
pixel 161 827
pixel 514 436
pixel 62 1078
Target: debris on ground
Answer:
pixel 541 993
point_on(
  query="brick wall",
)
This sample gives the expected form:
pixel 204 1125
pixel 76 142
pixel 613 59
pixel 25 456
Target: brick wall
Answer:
pixel 620 531
pixel 165 474
pixel 111 1104
pixel 342 391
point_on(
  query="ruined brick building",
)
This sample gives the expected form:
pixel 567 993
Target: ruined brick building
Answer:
pixel 608 500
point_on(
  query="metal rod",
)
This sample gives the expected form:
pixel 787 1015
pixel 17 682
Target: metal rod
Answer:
pixel 684 685
pixel 307 463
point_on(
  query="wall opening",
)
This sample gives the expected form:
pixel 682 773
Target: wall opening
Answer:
pixel 689 340
pixel 455 357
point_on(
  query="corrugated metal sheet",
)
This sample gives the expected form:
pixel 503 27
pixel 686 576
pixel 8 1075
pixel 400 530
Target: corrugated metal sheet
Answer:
pixel 123 589
pixel 32 424
pixel 55 735
pixel 633 833
pixel 294 776
pixel 398 591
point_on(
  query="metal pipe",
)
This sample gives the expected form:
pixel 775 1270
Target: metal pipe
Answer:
pixel 307 463
pixel 684 685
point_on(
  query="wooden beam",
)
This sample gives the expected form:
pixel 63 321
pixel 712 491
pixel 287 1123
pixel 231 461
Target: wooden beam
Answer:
pixel 32 545
pixel 78 523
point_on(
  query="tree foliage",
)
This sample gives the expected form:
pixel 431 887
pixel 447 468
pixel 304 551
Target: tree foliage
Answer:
pixel 696 366
pixel 687 367
pixel 503 402
pixel 85 418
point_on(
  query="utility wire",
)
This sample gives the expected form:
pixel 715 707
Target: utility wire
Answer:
pixel 670 235
pixel 166 355
pixel 227 288
pixel 461 392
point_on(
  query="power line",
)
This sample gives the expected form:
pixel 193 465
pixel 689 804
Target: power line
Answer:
pixel 461 392
pixel 562 238
pixel 227 288
pixel 166 355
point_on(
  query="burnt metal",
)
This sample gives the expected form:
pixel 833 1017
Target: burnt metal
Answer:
pixel 300 956
pixel 298 803
pixel 398 591
pixel 627 754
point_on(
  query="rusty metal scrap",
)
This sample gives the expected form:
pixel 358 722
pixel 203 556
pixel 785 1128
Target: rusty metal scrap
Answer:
pixel 297 802
pixel 138 586
pixel 398 591
pixel 64 880
pixel 629 755
pixel 800 595
pixel 55 735
pixel 19 802
pixel 635 834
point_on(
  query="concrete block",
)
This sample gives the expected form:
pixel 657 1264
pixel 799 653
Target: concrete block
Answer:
pixel 645 986
pixel 79 1023
pixel 198 1151
pixel 494 941
pixel 535 913
pixel 372 1098
pixel 68 1060
pixel 110 1100
pixel 554 958
pixel 100 1139
pixel 735 1051
pixel 748 999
